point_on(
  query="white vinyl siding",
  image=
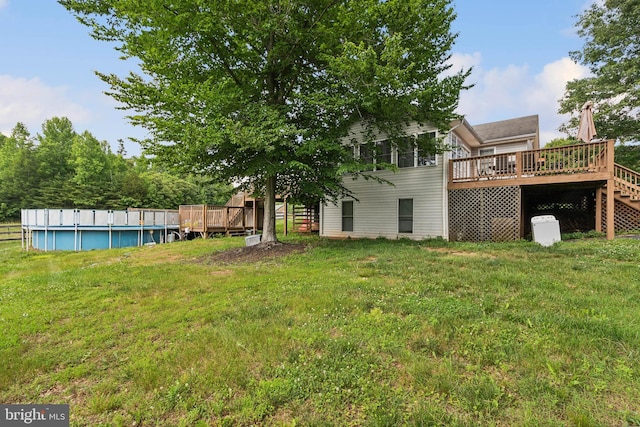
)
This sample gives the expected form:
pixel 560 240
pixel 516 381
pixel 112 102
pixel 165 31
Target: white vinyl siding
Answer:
pixel 375 213
pixel 502 148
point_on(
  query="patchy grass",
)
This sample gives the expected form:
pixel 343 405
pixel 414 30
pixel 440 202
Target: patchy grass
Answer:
pixel 345 333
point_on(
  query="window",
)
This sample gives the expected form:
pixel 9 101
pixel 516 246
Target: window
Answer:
pixel 406 153
pixel 366 153
pixel 352 149
pixel 380 152
pixel 383 154
pixel 347 216
pixel 405 216
pixel 426 144
pixel 458 150
pixel 487 165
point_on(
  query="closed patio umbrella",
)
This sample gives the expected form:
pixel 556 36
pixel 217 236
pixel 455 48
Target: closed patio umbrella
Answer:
pixel 586 128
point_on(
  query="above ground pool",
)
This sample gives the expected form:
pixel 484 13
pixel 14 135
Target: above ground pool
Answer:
pixel 85 229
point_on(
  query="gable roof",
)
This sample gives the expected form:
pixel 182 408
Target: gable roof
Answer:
pixel 511 129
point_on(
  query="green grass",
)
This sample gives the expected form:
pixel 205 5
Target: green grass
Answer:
pixel 372 333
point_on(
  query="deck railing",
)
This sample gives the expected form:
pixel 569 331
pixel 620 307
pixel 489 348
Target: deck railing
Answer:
pixel 581 158
pixel 206 218
pixel 627 181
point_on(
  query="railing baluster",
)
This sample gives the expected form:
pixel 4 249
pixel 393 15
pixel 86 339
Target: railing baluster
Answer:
pixel 582 158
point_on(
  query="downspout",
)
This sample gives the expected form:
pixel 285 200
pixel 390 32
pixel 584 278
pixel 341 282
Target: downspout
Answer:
pixel 445 190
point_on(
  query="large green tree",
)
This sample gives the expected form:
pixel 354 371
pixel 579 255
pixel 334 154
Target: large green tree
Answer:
pixel 55 167
pixel 612 53
pixel 259 92
pixel 18 172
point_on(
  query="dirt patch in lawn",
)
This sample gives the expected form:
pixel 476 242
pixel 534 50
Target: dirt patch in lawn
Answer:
pixel 447 251
pixel 257 253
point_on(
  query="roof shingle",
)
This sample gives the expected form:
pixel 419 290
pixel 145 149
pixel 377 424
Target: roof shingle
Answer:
pixel 507 128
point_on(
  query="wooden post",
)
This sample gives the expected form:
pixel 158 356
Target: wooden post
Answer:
pixel 204 221
pixel 225 219
pixel 610 191
pixel 519 164
pixel 255 216
pixel 599 210
pixel 286 217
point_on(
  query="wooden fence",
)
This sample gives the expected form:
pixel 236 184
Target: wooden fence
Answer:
pixel 10 232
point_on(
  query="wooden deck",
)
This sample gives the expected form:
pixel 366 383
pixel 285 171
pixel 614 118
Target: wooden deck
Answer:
pixel 574 163
pixel 207 219
pixel 590 164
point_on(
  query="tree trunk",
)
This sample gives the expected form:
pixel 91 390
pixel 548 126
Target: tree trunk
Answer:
pixel 269 222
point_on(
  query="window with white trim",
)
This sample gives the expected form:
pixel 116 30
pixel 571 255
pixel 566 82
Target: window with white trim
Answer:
pixel 458 149
pixel 406 153
pixel 383 151
pixel 405 216
pixel 347 215
pixel 425 158
pixel 410 152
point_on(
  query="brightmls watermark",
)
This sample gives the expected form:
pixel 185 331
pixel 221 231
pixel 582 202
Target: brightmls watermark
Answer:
pixel 34 415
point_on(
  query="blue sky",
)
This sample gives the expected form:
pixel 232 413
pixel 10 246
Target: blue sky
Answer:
pixel 518 51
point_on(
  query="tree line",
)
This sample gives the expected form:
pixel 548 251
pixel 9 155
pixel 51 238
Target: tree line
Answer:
pixel 61 168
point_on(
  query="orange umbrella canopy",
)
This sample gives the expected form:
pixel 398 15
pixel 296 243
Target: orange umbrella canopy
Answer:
pixel 586 128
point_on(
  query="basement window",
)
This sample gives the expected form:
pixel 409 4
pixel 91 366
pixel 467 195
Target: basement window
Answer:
pixel 347 216
pixel 405 216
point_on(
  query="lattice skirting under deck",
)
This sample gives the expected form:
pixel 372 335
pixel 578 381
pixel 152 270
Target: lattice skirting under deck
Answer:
pixel 485 214
pixel 625 219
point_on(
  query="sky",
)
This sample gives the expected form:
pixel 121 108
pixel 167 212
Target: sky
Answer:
pixel 518 51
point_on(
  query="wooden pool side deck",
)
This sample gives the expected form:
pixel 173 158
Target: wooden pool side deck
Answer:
pixel 229 220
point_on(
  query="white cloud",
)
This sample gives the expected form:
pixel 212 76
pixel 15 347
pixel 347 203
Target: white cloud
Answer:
pixel 515 91
pixel 3 4
pixel 588 3
pixel 32 102
pixel 464 61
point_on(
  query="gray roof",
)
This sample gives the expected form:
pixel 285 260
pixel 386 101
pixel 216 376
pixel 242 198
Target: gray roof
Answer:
pixel 507 128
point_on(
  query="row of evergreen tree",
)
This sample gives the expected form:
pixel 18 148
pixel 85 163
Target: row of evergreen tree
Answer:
pixel 60 168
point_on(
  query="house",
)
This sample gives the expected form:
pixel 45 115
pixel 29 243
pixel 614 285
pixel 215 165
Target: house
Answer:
pixel 487 186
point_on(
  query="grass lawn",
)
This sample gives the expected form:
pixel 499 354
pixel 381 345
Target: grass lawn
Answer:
pixel 371 333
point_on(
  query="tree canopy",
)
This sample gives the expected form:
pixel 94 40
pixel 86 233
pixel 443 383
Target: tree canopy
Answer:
pixel 61 168
pixel 261 92
pixel 612 53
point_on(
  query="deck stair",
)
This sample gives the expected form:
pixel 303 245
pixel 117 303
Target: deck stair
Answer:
pixel 306 219
pixel 627 198
pixel 237 200
pixel 627 185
